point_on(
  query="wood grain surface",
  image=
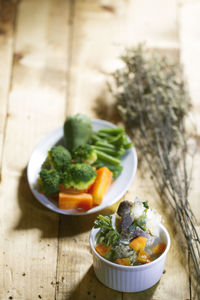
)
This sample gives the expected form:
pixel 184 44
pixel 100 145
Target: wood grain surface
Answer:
pixel 55 60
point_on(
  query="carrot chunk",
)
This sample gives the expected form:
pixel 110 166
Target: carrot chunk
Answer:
pixel 75 201
pixel 159 249
pixel 123 261
pixel 138 243
pixel 102 249
pixel 101 184
pixel 144 257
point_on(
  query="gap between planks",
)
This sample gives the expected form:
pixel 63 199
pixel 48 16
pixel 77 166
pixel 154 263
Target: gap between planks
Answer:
pixel 67 110
pixel 7 23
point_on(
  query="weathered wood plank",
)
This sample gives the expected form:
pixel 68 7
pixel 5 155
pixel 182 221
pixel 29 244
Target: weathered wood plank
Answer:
pixel 7 18
pixel 99 35
pixel 36 105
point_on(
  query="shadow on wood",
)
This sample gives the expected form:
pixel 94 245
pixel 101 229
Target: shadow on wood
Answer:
pixel 73 225
pixel 145 295
pixel 106 110
pixel 90 288
pixel 34 214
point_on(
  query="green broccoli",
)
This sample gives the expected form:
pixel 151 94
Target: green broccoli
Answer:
pixel 58 158
pixel 84 154
pixel 78 176
pixel 77 131
pixel 49 181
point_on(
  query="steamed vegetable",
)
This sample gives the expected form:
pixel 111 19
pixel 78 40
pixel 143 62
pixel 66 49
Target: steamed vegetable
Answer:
pixel 102 249
pixel 144 257
pixel 123 261
pixel 49 181
pixel 110 145
pixel 108 158
pixel 71 190
pixel 75 201
pixel 77 131
pixel 78 176
pixel 84 154
pixel 159 248
pixel 101 185
pixel 115 169
pixel 108 235
pixel 58 158
pixel 138 243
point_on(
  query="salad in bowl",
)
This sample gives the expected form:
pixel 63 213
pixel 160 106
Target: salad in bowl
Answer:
pixel 129 247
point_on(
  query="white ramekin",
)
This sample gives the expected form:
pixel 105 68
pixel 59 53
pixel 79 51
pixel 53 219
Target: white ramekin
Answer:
pixel 129 278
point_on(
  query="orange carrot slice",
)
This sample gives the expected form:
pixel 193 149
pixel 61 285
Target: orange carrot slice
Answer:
pixel 159 249
pixel 123 261
pixel 75 201
pixel 102 249
pixel 138 243
pixel 101 184
pixel 144 257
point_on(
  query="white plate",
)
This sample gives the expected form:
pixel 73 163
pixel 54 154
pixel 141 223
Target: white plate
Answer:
pixel 118 188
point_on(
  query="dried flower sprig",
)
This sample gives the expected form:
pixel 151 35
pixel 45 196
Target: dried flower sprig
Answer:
pixel 153 102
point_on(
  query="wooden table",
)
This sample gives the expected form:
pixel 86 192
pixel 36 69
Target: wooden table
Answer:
pixel 55 59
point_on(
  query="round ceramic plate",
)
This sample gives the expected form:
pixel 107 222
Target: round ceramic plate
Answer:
pixel 118 188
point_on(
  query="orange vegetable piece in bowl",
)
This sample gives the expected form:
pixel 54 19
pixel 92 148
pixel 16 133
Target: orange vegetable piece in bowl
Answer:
pixel 102 249
pixel 101 184
pixel 123 261
pixel 82 201
pixel 158 249
pixel 138 243
pixel 144 257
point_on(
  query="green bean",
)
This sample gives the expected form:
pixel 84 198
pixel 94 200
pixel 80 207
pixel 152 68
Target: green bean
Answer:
pixel 108 158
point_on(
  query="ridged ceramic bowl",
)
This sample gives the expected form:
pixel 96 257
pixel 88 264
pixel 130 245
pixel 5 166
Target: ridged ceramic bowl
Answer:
pixel 129 278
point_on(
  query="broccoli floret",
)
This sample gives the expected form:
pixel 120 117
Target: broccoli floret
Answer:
pixel 58 158
pixel 84 154
pixel 49 181
pixel 77 131
pixel 78 176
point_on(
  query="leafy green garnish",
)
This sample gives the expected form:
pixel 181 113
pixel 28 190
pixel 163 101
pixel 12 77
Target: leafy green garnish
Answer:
pixel 107 234
pixel 146 205
pixel 103 222
pixel 140 222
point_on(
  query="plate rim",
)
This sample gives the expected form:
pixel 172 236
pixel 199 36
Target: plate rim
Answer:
pixel 97 208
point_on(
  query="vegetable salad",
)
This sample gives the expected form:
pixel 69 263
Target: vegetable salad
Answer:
pixel 132 238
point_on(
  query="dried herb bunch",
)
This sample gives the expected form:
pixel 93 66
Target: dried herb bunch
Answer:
pixel 153 102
